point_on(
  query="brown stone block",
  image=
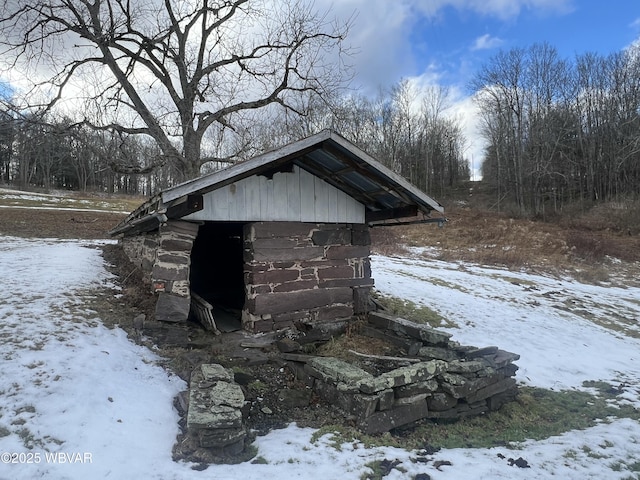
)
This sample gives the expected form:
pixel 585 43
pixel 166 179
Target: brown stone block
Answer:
pixel 173 274
pixel 277 242
pixel 303 300
pixel 360 235
pixel 290 316
pixel 361 297
pixel 171 308
pixel 491 390
pixel 281 229
pixel 366 267
pixel 173 245
pixel 286 254
pixel 282 265
pixel 411 329
pixel 332 237
pixel 383 421
pixel 346 282
pixel 295 286
pixel 335 272
pixel 259 289
pixel 341 251
pixel 181 227
pixel 428 386
pixel 174 259
pixel 220 437
pixel 441 402
pixel 272 276
pixel 324 263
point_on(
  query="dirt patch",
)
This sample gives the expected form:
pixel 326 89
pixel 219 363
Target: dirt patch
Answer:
pixel 68 224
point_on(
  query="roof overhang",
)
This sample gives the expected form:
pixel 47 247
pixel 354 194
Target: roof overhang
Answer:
pixel 389 199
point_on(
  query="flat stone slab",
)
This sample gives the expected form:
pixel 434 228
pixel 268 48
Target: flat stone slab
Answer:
pixel 214 372
pixel 214 399
pixel 225 393
pixel 337 370
pixel 418 372
pixel 213 417
pixel 384 421
pixel 411 329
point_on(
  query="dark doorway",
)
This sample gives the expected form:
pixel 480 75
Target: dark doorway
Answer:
pixel 217 271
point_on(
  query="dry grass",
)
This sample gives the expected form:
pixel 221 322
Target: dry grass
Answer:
pixel 585 242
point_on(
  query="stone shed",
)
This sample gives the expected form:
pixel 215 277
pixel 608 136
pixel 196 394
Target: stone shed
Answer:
pixel 277 240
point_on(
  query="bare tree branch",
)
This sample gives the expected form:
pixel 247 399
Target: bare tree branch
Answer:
pixel 170 69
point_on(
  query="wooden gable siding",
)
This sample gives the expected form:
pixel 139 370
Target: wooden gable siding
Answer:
pixel 296 196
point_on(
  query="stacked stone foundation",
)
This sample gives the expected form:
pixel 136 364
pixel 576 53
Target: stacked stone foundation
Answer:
pixel 164 256
pixel 294 272
pixel 214 418
pixel 445 380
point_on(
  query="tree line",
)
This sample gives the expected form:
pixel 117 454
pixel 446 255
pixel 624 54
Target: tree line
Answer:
pixel 108 100
pixel 559 130
pixel 204 84
pixel 405 128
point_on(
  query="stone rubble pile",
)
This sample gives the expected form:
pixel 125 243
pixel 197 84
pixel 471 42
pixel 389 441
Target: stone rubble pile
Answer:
pixel 439 380
pixel 448 381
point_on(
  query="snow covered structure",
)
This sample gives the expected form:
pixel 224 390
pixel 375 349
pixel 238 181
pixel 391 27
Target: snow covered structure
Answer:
pixel 282 238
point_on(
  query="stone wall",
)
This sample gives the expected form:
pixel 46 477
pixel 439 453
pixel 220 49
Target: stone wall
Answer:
pixel 164 258
pixel 301 272
pixel 448 381
pixel 214 418
pixel 294 272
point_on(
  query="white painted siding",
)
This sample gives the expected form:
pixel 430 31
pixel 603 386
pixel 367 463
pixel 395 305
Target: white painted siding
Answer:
pixel 296 196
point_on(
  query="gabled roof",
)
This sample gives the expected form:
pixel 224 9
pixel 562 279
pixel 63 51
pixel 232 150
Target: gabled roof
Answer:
pixel 387 197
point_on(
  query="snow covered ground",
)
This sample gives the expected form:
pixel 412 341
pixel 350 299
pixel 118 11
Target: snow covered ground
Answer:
pixel 79 400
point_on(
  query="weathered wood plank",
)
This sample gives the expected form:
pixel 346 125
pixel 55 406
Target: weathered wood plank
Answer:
pixel 296 196
pixel 252 197
pixel 203 311
pixel 237 210
pixel 294 205
pixel 280 197
pixel 322 200
pixel 307 198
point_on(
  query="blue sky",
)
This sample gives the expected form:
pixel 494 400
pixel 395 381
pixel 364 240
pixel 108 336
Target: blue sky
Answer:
pixel 450 39
pixel 458 41
pixel 445 42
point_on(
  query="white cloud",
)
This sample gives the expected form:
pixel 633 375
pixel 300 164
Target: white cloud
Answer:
pixel 506 9
pixel 486 42
pixel 460 107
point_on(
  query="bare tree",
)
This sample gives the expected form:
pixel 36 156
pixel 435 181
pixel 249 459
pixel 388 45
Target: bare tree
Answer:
pixel 170 69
